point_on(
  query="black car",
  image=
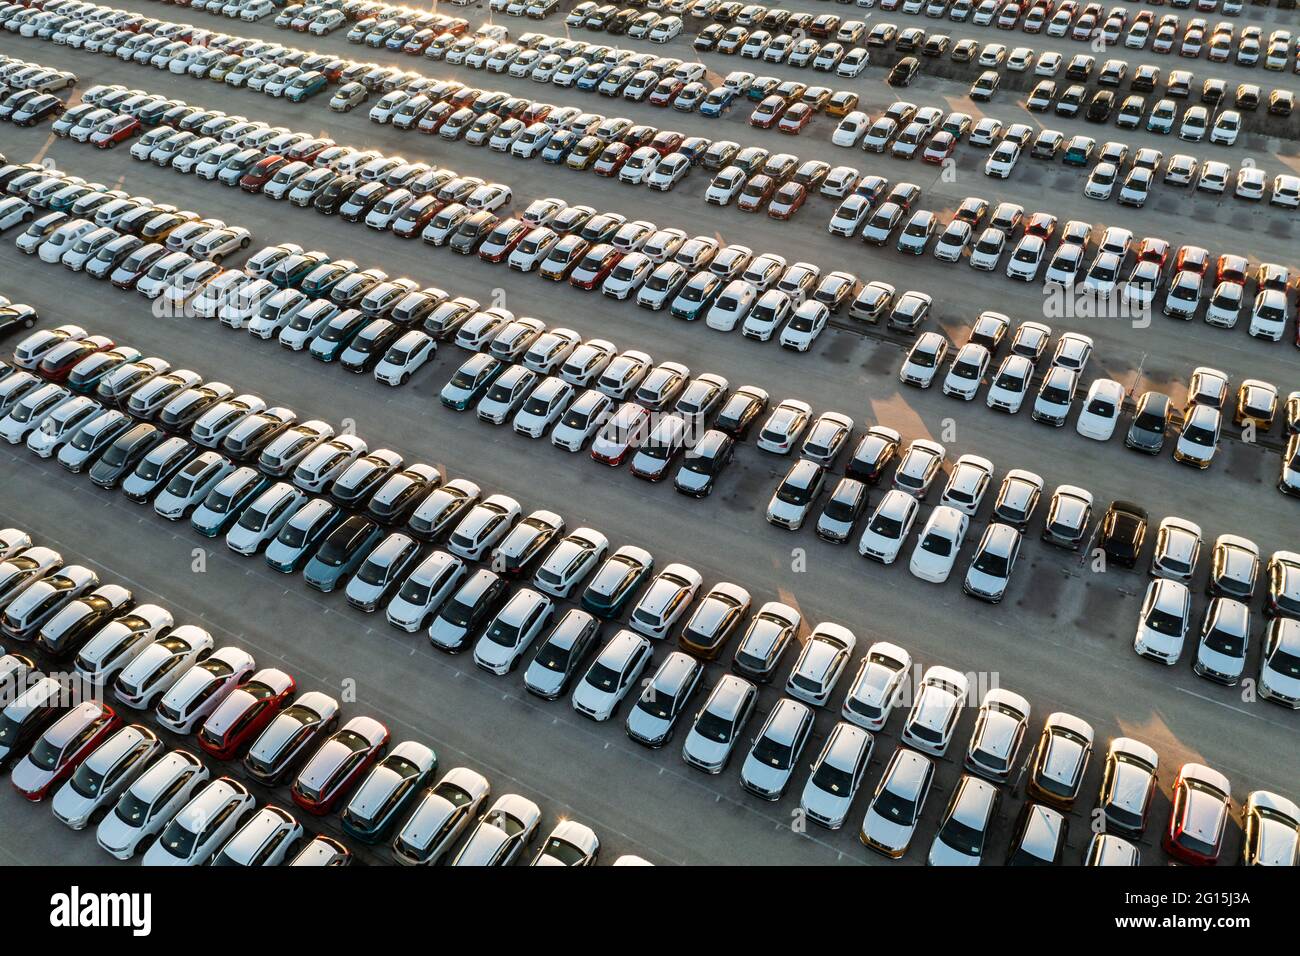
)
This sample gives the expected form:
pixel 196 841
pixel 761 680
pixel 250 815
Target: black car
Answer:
pixel 369 346
pixel 77 622
pixel 126 451
pixel 38 109
pixel 1101 106
pixel 703 463
pixel 27 717
pixel 1123 531
pixel 16 316
pixel 361 200
pixel 463 616
pixel 469 235
pixel 877 449
pixel 740 412
pixel 904 71
pixel 336 194
pixel 1150 423
pixel 401 494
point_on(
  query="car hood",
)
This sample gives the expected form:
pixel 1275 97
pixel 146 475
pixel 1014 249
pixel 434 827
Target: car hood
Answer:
pixel 28 777
pixel 941 854
pixel 647 726
pixel 884 832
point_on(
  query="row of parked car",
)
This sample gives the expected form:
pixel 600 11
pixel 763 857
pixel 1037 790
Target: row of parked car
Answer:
pixel 89 762
pixel 166 803
pixel 1124 274
pixel 1161 33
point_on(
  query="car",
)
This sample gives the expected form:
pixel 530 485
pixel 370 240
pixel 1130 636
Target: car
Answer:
pixel 784 425
pixel 501 835
pixel 652 721
pixel 719 724
pixel 1177 550
pixel 57 753
pixel 100 779
pixel 609 678
pixel 150 802
pixel 198 831
pixel 1201 807
pixel 1269 822
pixel 889 526
pixel 964 829
pixel 898 803
pixel 1039 836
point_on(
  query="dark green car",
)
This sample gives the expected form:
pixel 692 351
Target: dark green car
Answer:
pixel 341 553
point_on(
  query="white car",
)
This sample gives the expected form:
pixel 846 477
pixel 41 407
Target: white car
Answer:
pixel 511 631
pixel 200 689
pixel 1002 160
pixel 665 600
pixel 938 544
pixel 940 699
pixel 889 526
pixel 923 359
pixel 1163 621
pixel 1101 181
pixel 878 686
pixel 970 479
pixel 836 775
pixel 824 658
pixel 105 774
pixel 615 671
pixel 202 826
pixel 501 835
pixel 1101 408
pixel 405 357
pixel 967 371
pixel 150 802
pixel 1055 396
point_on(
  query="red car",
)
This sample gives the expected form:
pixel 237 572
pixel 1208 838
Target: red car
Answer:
pixel 1192 259
pixel 1232 268
pixel 245 713
pixel 595 266
pixel 665 92
pixel 338 764
pixel 114 131
pixel 432 121
pixel 666 141
pixel 638 136
pixel 307 152
pixel 767 113
pixel 794 119
pixel 535 113
pixel 60 750
pixel 612 159
pixel 787 201
pixel 1202 802
pixel 416 216
pixel 136 265
pixel 503 238
pixel 59 361
pixel 940 147
pixel 754 195
pixel 1153 250
pixel 261 173
pixel 621 435
pixel 1042 225
pixel 464 97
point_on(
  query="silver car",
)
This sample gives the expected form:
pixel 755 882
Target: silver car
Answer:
pixel 105 774
pixel 719 724
pixel 776 750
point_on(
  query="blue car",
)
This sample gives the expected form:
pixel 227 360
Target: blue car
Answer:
pixel 341 553
pixel 297 541
pixel 560 146
pixel 718 101
pixel 224 503
pixel 471 381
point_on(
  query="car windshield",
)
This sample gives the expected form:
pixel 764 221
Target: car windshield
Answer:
pixel 1286 664
pixel 894 808
pixel 178 840
pixel 1165 623
pixel 833 779
pixel 772 753
pixel 712 727
pixel 962 838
